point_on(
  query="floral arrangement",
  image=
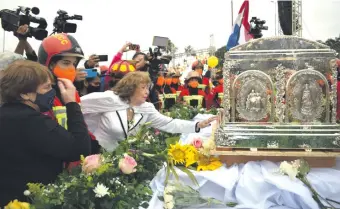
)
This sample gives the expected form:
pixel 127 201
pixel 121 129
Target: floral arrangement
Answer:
pixel 121 179
pixel 298 169
pixel 117 180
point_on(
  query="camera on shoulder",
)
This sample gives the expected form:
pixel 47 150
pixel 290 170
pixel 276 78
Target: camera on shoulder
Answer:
pixel 11 20
pixel 61 24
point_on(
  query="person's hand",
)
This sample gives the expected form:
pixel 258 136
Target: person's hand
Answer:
pixel 21 32
pixel 80 74
pixel 125 47
pixel 93 61
pixel 206 123
pixel 67 90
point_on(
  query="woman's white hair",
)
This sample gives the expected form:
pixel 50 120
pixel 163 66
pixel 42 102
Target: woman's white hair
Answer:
pixel 7 58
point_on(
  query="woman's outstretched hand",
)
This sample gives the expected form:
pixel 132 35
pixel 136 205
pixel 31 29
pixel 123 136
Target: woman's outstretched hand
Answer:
pixel 206 123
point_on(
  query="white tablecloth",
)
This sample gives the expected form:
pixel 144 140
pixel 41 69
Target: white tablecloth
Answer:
pixel 256 184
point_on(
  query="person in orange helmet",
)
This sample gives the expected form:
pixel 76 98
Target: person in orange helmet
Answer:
pixel 61 53
pixel 192 81
pixel 218 83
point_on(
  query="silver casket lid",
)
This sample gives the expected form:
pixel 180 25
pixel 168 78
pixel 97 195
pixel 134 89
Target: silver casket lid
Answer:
pixel 289 68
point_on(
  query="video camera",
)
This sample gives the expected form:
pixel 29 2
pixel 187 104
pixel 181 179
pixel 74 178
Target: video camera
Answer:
pixel 61 25
pixel 256 27
pixel 11 20
pixel 156 58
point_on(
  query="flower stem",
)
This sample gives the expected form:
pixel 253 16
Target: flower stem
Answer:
pixel 330 200
pixel 315 195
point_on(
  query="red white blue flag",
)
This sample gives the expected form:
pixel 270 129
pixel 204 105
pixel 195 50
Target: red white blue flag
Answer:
pixel 241 20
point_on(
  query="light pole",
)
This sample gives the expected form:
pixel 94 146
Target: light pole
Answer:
pixel 275 15
pixel 4 41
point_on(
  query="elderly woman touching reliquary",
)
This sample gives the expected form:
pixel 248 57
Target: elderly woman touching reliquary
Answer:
pixel 114 115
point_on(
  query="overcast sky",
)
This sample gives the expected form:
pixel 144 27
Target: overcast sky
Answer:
pixel 108 24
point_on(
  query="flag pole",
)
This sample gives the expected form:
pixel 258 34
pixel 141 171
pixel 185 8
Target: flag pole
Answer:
pixel 232 13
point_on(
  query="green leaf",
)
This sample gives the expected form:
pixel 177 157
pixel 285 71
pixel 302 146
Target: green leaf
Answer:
pixel 174 172
pixel 161 198
pixel 167 174
pixel 231 204
pixel 172 140
pixel 190 175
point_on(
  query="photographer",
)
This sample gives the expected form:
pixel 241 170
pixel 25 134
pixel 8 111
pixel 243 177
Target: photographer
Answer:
pixel 23 44
pixel 142 64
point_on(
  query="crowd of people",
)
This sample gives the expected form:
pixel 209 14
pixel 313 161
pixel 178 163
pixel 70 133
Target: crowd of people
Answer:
pixel 52 112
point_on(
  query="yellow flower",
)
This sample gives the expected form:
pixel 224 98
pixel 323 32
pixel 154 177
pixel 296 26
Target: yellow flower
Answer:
pixel 177 153
pixel 206 163
pixel 17 205
pixel 191 156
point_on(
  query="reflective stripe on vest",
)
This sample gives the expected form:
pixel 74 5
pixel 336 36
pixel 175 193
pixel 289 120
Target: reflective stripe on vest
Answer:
pixel 60 115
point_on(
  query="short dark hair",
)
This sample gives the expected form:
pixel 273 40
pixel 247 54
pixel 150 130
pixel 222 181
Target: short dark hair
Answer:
pixel 140 53
pixel 22 77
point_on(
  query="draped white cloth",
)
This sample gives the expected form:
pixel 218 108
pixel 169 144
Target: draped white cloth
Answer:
pixel 256 185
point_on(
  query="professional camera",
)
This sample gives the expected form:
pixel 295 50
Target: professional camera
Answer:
pixel 156 59
pixel 11 20
pixel 256 27
pixel 61 25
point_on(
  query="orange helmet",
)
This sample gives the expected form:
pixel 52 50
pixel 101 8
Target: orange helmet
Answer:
pixel 197 64
pixel 60 44
pixel 123 67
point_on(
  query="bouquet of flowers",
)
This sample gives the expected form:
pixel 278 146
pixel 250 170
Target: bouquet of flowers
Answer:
pixel 177 196
pixel 299 169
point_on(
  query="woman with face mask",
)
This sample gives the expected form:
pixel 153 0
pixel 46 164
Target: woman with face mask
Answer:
pixel 218 83
pixel 33 146
pixel 61 53
pixel 175 82
pixel 90 85
pixel 192 82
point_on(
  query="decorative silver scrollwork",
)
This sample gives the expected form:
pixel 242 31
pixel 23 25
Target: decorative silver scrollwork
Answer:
pixel 336 141
pixel 333 93
pixel 227 66
pixel 280 82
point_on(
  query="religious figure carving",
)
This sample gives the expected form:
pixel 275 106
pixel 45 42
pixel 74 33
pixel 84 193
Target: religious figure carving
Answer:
pixel 253 103
pixel 307 102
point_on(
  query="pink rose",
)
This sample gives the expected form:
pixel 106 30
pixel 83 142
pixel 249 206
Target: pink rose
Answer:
pixel 157 132
pixel 127 164
pixel 91 163
pixel 197 142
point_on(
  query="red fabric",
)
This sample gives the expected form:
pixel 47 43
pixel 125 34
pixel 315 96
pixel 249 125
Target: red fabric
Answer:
pixel 338 105
pixel 206 81
pixel 173 91
pixel 215 91
pixel 185 92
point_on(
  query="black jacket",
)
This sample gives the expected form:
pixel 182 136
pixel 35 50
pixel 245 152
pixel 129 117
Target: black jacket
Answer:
pixel 33 147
